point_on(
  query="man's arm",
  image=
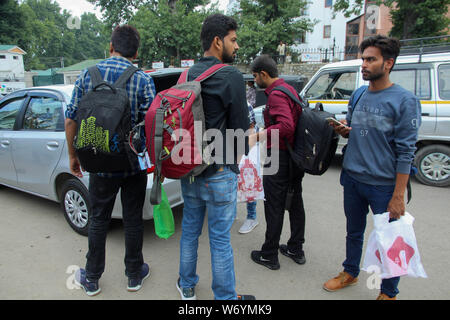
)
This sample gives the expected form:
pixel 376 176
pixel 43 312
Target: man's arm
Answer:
pixel 71 131
pixel 406 131
pixel 396 206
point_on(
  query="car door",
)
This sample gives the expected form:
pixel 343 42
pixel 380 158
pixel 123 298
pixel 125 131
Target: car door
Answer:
pixel 9 111
pixel 417 79
pixel 332 88
pixel 38 142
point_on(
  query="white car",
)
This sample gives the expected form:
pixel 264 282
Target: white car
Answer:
pixel 34 157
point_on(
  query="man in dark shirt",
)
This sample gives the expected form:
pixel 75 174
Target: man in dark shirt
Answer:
pixel 281 114
pixel 215 190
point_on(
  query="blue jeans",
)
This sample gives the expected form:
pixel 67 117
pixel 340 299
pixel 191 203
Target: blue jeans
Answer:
pixel 251 210
pixel 217 195
pixel 357 199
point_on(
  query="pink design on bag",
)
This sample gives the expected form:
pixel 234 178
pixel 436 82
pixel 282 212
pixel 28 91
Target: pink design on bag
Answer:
pixel 249 181
pixel 400 253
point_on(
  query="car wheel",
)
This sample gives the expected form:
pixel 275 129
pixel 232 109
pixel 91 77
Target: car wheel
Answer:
pixel 76 206
pixel 433 164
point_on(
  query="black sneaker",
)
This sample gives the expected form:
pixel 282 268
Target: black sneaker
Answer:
pixel 186 293
pixel 256 256
pixel 134 284
pixel 90 287
pixel 298 257
pixel 245 297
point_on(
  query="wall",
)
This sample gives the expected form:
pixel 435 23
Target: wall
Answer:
pixel 11 68
pixel 303 69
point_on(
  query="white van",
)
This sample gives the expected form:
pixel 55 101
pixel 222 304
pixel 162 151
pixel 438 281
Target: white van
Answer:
pixel 427 76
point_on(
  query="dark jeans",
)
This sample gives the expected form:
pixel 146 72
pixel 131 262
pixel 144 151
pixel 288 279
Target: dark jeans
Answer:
pixel 275 191
pixel 103 192
pixel 357 199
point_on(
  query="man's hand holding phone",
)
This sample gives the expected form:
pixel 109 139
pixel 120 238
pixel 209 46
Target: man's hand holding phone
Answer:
pixel 339 126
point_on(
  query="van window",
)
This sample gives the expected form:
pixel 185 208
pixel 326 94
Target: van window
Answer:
pixel 416 81
pixel 336 85
pixel 444 81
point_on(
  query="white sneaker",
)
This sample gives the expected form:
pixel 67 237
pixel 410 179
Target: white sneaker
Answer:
pixel 249 225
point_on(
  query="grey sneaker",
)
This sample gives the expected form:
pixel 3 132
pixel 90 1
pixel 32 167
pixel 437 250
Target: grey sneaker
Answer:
pixel 186 293
pixel 248 225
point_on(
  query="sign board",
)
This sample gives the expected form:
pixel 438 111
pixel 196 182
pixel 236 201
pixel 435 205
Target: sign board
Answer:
pixel 187 63
pixel 311 57
pixel 8 87
pixel 158 65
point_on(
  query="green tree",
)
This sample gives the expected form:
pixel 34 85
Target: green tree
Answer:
pixel 121 11
pixel 40 28
pixel 410 18
pixel 169 34
pixel 264 23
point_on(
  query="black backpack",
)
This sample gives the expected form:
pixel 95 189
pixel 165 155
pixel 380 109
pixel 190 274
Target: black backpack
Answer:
pixel 104 123
pixel 315 141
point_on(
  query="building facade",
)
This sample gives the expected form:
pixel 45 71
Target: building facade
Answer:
pixel 12 70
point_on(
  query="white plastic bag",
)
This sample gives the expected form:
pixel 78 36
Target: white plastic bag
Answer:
pixel 250 183
pixel 392 246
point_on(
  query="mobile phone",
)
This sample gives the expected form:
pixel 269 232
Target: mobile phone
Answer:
pixel 330 119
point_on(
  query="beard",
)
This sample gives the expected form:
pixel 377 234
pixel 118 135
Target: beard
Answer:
pixel 227 57
pixel 372 76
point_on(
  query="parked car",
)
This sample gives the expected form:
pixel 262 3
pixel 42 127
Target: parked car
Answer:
pixel 425 75
pixel 33 151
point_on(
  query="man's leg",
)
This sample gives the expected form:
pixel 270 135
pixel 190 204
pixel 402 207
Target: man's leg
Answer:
pixel 102 193
pixel 222 191
pixel 297 218
pixel 133 191
pixel 192 224
pixel 356 208
pixel 379 198
pixel 275 191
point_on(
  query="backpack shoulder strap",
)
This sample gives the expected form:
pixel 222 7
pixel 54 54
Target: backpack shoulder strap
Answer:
pixel 286 91
pixel 125 76
pixel 183 77
pixel 358 94
pixel 96 76
pixel 210 72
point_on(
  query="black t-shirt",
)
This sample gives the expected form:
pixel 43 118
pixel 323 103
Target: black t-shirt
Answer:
pixel 224 101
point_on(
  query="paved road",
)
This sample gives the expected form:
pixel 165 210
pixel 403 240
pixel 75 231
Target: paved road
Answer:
pixel 38 251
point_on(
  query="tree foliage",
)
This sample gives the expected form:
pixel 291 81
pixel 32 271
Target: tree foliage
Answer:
pixel 40 28
pixel 410 18
pixel 121 11
pixel 264 23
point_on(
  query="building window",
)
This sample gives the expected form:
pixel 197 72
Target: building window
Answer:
pixel 327 32
pixel 328 3
pixel 2 56
pixel 16 57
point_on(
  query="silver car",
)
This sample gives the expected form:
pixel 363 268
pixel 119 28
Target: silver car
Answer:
pixel 34 158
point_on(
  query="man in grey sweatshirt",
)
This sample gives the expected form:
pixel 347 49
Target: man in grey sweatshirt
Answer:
pixel 382 128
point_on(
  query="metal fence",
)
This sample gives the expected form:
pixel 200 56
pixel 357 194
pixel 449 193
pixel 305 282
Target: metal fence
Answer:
pixel 312 55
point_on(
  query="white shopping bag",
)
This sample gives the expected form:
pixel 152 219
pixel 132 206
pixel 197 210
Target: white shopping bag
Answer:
pixel 392 246
pixel 250 183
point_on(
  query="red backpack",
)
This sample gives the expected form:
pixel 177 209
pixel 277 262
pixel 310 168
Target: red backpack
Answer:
pixel 170 131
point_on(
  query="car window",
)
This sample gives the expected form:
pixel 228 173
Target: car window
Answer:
pixel 337 85
pixel 44 113
pixel 8 114
pixel 416 81
pixel 444 81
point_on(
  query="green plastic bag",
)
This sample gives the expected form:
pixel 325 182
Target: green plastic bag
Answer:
pixel 163 217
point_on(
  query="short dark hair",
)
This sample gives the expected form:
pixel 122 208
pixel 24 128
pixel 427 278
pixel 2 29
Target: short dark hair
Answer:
pixel 216 25
pixel 389 47
pixel 265 63
pixel 125 40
